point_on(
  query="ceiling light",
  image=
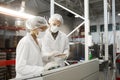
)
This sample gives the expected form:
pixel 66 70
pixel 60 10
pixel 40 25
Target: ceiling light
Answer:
pixel 15 13
pixel 118 14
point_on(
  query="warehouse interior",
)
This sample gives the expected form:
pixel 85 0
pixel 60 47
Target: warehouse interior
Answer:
pixel 86 22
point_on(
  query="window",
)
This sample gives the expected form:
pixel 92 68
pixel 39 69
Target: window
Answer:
pixel 117 26
pixel 110 27
pixel 93 28
pixel 102 28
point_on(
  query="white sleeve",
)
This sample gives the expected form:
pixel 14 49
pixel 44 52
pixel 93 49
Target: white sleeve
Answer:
pixel 22 67
pixel 66 49
pixel 46 51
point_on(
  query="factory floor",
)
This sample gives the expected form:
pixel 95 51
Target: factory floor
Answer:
pixel 102 75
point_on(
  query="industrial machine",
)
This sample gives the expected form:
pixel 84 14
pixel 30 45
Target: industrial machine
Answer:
pixel 85 70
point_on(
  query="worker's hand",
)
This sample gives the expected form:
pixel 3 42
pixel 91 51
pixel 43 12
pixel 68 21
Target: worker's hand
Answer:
pixel 51 65
pixel 63 56
pixel 54 53
pixel 60 55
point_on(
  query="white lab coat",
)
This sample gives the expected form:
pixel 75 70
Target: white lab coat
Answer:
pixel 28 57
pixel 49 44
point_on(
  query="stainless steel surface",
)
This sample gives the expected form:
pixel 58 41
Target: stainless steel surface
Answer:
pixel 77 51
pixel 88 70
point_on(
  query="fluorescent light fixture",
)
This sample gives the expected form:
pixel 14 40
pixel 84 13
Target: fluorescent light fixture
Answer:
pixel 15 13
pixel 118 14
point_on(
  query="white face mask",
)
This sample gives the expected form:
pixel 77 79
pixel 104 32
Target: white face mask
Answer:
pixel 40 35
pixel 54 29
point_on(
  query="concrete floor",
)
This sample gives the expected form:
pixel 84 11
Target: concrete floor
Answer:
pixel 102 75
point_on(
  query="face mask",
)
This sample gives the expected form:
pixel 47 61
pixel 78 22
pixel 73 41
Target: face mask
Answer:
pixel 40 35
pixel 54 29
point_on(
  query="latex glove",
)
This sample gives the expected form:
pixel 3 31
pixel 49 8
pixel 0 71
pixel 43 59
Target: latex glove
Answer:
pixel 47 57
pixel 51 65
pixel 60 61
pixel 53 53
pixel 60 55
pixel 63 56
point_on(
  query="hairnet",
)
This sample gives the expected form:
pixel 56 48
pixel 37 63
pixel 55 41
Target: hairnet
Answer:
pixel 56 17
pixel 36 22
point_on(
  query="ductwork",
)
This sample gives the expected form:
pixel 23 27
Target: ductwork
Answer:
pixel 7 1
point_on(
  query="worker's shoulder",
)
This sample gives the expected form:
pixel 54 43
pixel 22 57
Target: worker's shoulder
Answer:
pixel 24 40
pixel 63 34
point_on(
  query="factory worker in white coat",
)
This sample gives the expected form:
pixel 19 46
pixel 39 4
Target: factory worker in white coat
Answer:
pixel 55 44
pixel 28 52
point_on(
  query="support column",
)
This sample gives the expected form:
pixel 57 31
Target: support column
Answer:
pixel 87 26
pixel 106 28
pixel 51 7
pixel 114 38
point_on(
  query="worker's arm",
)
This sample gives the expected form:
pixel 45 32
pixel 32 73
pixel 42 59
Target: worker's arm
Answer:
pixel 65 53
pixel 66 48
pixel 47 54
pixel 22 67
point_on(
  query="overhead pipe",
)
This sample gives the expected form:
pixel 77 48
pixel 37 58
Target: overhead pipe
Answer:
pixel 22 6
pixel 14 13
pixel 19 22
